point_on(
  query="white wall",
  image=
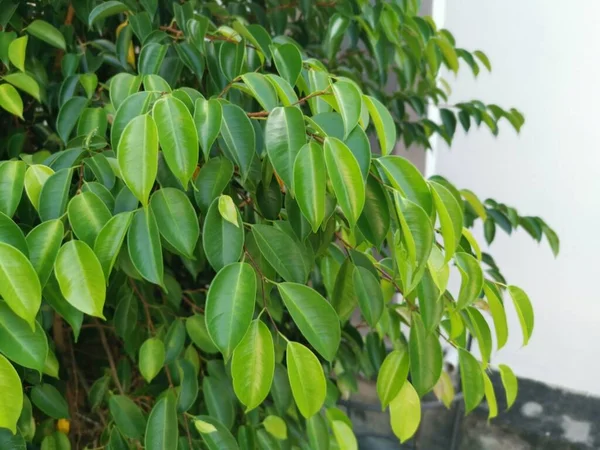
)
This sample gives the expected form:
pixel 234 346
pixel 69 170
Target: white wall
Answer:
pixel 545 56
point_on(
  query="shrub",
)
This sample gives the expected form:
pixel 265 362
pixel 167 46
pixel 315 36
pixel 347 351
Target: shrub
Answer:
pixel 206 238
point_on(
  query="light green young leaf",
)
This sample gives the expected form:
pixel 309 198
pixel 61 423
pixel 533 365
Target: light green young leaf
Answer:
pixel 177 136
pixel 151 358
pixel 384 124
pixel 310 180
pixel 11 234
pixel 253 365
pixel 490 395
pixel 12 393
pixel 122 86
pixel 110 240
pixel 223 242
pixel 26 83
pixel 348 98
pixel 162 429
pixel 87 215
pixel 314 316
pixel 318 434
pixel 344 436
pixel 80 278
pixel 10 100
pixel 143 244
pixel 215 435
pixel 524 311
pixel 44 243
pixel 176 219
pixel 307 379
pixel 482 333
pixel 47 33
pixel 498 313
pixel 196 330
pixel 228 210
pixel 471 379
pixel 405 412
pixel 444 390
pixel 392 376
pixel 475 203
pixel 16 52
pixel 510 383
pixel 346 177
pixel 230 306
pixel 450 215
pixel 285 135
pixel 208 115
pixel 472 279
pixel 281 252
pixel 35 177
pixel 276 427
pixel 12 181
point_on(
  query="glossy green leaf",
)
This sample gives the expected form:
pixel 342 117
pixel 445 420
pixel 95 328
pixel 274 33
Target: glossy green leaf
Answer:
pixel 344 298
pixel 223 242
pixel 307 379
pixel 374 221
pixel 35 177
pixel 318 434
pixel 16 52
pixel 346 177
pixel 231 59
pixel 405 412
pixel 392 376
pixel 369 294
pixel 132 106
pixel 177 136
pixel 87 215
pixel 344 436
pixel 230 305
pixel 471 380
pixel 54 297
pixel 198 333
pixel 47 33
pixel 156 83
pixel 215 435
pixel 110 240
pixel 348 98
pixel 151 358
pixel 11 234
pixel 106 9
pixel 425 357
pixel 26 83
pixel 44 243
pixel 143 244
pixel 450 216
pixel 288 62
pixel 50 401
pixel 151 58
pixel 384 124
pixel 127 416
pixel 218 398
pixel 285 135
pixel 122 86
pixel 472 279
pixel 286 93
pixel 54 195
pixel 69 115
pixel 10 385
pixel 19 342
pixel 276 427
pixel 212 179
pixel 475 203
pixel 490 395
pixel 12 181
pixel 176 219
pixel 239 137
pixel 19 284
pixel 314 316
pixel 10 100
pixel 310 179
pixel 228 210
pixel 524 311
pixel 481 331
pixel 262 90
pixel 92 121
pixel 510 383
pixel 80 278
pixel 208 116
pixel 188 387
pixel 281 251
pixel 253 365
pixel 407 179
pixel 498 313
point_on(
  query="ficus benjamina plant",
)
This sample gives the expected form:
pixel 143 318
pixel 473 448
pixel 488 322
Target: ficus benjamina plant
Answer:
pixel 207 237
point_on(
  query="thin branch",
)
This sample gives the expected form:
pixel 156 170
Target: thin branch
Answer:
pixel 111 361
pixel 146 306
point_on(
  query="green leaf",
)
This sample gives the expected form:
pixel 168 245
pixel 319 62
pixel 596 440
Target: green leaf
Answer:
pixel 19 342
pixel 110 240
pixel 498 313
pixel 276 427
pixel 122 86
pixel 50 401
pixel 106 9
pixel 12 395
pixel 54 195
pixel 44 243
pixel 451 218
pixel 19 284
pixel 483 58
pixel 281 252
pixel 286 93
pixel 344 298
pixel 392 376
pixel 346 177
pixel 348 98
pixel 218 399
pixel 16 52
pixel 176 219
pixel 253 365
pixel 35 177
pixel 384 124
pixel 369 294
pixel 448 52
pixel 80 278
pixel 177 136
pixel 10 100
pixel 490 396
pixel 318 435
pixel 196 330
pixel 174 341
pixel 310 181
pixel 151 58
pixel 89 81
pixel 143 243
pixel 127 416
pixel 138 156
pixel 92 121
pixel 11 234
pixel 510 383
pixel 231 59
pixel 151 358
pixel 552 238
pixel 475 203
pixel 238 135
pixel 344 435
pixel 54 297
pixel 47 33
pixel 314 316
pixel 405 412
pixel 471 380
pixel 228 210
pixel 307 379
pixel 472 279
pixel 12 180
pixel 188 391
pixel 285 135
pixel 215 435
pixel 288 62
pixel 208 116
pixel 69 115
pixel 156 83
pixel 212 179
pixel 425 357
pixel 26 83
pixel 230 306
pixel 87 215
pixel 223 242
pixel 262 90
pixel 524 311
pixel 481 331
pixel 407 179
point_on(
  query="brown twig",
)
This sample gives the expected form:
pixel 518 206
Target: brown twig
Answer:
pixel 192 304
pixel 111 361
pixel 146 306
